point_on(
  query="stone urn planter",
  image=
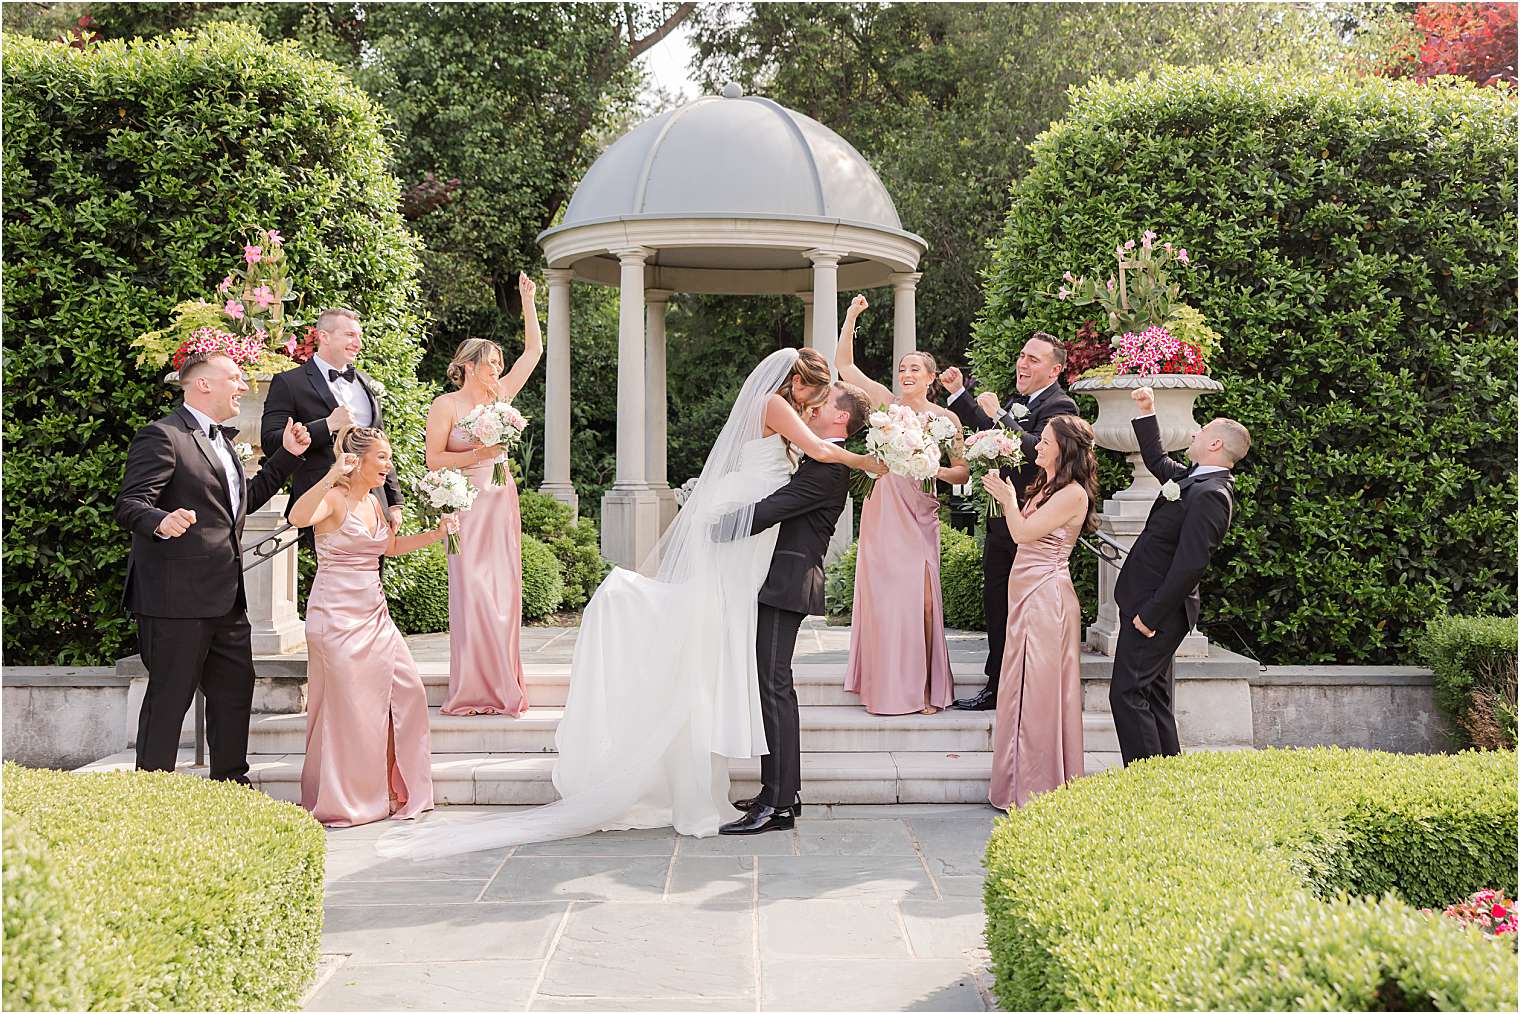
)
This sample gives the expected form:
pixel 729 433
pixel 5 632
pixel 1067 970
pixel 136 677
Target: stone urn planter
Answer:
pixel 1123 515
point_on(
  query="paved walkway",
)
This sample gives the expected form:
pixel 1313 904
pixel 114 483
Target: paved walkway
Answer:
pixel 873 908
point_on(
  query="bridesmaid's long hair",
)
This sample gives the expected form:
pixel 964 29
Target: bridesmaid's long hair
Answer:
pixel 929 364
pixel 358 440
pixel 1079 464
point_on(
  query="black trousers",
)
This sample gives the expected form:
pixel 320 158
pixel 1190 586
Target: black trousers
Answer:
pixel 1140 693
pixel 181 654
pixel 781 768
pixel 997 562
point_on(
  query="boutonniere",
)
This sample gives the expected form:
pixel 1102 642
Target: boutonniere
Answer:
pixel 1019 411
pixel 1171 490
pixel 244 452
pixel 376 388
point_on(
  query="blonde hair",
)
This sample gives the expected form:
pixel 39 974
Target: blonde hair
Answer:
pixel 472 352
pixel 1235 438
pixel 334 311
pixel 359 440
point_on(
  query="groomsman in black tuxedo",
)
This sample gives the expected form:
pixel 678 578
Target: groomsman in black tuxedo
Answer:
pixel 184 498
pixel 1157 591
pixel 1039 398
pixel 806 508
pixel 327 393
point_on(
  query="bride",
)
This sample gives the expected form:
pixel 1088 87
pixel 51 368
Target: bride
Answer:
pixel 663 686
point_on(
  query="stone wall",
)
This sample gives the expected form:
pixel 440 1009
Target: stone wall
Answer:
pixel 1389 708
pixel 62 717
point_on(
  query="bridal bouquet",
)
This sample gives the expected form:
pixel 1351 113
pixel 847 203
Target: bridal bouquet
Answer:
pixel 909 444
pixel 990 451
pixel 447 490
pixel 495 424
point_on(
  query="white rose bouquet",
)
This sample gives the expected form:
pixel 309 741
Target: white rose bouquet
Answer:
pixel 906 442
pixel 990 451
pixel 495 424
pixel 445 491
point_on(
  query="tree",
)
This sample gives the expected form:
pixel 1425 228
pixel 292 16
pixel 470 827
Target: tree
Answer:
pixel 1472 40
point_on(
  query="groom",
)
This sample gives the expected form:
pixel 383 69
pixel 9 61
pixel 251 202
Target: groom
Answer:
pixel 807 509
pixel 1157 591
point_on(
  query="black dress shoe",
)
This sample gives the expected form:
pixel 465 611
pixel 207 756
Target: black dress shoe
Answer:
pixel 762 818
pixel 744 805
pixel 986 700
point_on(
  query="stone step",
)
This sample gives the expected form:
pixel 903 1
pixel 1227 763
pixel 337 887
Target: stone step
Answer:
pixel 825 729
pixel 525 779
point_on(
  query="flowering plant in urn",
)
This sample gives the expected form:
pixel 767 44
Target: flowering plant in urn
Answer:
pixel 991 451
pixel 909 444
pixel 495 424
pixel 445 491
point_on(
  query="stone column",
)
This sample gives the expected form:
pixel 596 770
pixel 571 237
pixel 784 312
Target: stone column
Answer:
pixel 656 408
pixel 807 319
pixel 825 338
pixel 557 392
pixel 630 510
pixel 904 319
pixel 270 587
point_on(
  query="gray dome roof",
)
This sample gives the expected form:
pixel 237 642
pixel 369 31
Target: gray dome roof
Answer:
pixel 744 157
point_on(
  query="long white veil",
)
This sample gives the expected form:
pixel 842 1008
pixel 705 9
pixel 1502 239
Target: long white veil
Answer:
pixel 637 740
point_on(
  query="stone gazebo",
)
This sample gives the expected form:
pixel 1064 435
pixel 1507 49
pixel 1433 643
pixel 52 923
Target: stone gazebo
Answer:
pixel 734 195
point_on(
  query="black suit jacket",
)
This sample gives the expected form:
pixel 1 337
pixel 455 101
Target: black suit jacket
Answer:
pixel 1053 401
pixel 302 394
pixel 170 465
pixel 807 509
pixel 1159 582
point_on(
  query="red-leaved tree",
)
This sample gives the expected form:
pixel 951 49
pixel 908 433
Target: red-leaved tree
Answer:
pixel 1472 40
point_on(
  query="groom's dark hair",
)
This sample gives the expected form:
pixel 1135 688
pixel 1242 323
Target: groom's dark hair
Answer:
pixel 851 399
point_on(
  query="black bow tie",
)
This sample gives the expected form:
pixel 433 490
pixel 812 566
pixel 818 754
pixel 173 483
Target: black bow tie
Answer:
pixel 230 432
pixel 347 374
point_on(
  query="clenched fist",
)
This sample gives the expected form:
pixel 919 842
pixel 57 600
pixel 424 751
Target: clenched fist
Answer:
pixel 339 418
pixel 295 439
pixel 176 523
pixel 857 306
pixel 952 381
pixel 988 402
pixel 1145 400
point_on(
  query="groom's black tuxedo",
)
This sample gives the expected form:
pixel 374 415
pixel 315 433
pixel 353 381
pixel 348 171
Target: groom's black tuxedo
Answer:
pixel 999 549
pixel 187 592
pixel 1159 583
pixel 807 509
pixel 303 394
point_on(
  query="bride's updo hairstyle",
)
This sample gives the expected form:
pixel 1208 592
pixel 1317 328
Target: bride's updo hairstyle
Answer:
pixel 811 369
pixel 359 441
pixel 1079 464
pixel 472 351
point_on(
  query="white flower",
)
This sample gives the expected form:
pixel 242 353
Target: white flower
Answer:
pixel 878 418
pixel 1171 490
pixel 448 489
pixel 244 452
pixel 376 388
pixel 942 429
pixel 1019 411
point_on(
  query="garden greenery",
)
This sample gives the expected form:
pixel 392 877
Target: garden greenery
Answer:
pixel 1474 659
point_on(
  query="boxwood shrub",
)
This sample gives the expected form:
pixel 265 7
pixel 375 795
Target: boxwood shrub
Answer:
pixel 130 173
pixel 543 587
pixel 1256 880
pixel 1473 658
pixel 1354 244
pixel 960 580
pixel 156 891
pixel 574 542
pixel 417 590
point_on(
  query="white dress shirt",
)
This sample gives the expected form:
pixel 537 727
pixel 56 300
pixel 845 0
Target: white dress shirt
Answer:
pixel 352 394
pixel 225 452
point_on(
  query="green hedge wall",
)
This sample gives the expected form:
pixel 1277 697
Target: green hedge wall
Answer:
pixel 1354 244
pixel 960 580
pixel 543 586
pixel 1236 881
pixel 130 173
pixel 157 891
pixel 1474 661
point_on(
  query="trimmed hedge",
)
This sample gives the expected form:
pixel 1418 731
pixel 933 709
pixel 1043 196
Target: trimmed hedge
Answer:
pixel 417 590
pixel 1354 244
pixel 131 171
pixel 1474 659
pixel 543 586
pixel 1233 881
pixel 156 891
pixel 960 581
pixel 574 541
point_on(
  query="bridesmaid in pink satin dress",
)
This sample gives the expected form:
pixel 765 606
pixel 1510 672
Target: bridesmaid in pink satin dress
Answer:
pixel 1037 736
pixel 899 662
pixel 485 576
pixel 368 755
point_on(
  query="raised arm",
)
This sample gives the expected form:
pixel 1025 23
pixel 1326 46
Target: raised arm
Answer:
pixel 781 418
pixel 440 422
pixel 322 508
pixel 844 356
pixel 508 386
pixel 1148 436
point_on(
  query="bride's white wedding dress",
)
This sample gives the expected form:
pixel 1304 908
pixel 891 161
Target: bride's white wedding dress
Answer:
pixel 663 685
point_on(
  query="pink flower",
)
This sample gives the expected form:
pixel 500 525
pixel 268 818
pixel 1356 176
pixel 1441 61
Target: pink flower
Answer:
pixel 1167 247
pixel 290 346
pixel 1147 239
pixel 1110 285
pixel 1061 293
pixel 1498 911
pixel 1069 277
pixel 275 239
pixel 1182 255
pixel 1119 251
pixel 263 297
pixel 252 254
pixel 226 284
pixel 1129 244
pixel 233 309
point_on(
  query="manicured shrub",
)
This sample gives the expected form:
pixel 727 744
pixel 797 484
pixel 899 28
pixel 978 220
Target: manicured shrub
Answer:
pixel 960 579
pixel 1354 245
pixel 543 586
pixel 1236 880
pixel 164 892
pixel 574 541
pixel 131 172
pixel 417 590
pixel 1473 658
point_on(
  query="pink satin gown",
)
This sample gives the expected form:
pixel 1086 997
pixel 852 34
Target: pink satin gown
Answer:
pixel 898 663
pixel 485 599
pixel 1037 736
pixel 368 755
